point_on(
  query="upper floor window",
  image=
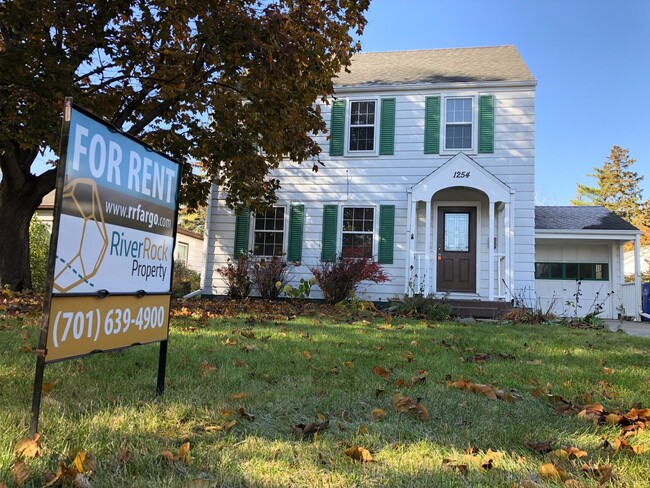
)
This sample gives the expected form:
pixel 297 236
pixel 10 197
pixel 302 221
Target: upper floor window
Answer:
pixel 458 123
pixel 362 125
pixel 268 233
pixel 358 231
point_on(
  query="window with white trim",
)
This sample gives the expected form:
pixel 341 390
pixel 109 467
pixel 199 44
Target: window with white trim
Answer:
pixel 358 231
pixel 362 126
pixel 268 232
pixel 459 123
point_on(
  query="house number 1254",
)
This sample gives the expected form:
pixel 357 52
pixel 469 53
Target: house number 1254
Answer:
pixel 461 174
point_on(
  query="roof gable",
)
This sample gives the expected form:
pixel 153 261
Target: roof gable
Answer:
pixel 478 64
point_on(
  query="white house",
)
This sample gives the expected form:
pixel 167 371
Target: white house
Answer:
pixel 430 169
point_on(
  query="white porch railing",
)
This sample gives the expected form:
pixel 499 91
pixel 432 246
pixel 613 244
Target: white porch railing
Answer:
pixel 628 299
pixel 419 275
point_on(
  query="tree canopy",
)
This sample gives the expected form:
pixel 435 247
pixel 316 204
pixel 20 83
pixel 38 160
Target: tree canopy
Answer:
pixel 617 189
pixel 230 84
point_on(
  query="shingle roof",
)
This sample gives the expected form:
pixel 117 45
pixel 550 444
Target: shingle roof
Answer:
pixel 579 218
pixel 498 63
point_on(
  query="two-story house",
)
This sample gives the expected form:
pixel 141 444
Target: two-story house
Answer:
pixel 429 167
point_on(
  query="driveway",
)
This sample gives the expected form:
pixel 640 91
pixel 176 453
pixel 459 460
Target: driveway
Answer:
pixel 641 329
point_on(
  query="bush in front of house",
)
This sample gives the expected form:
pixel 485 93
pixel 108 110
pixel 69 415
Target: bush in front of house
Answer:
pixel 237 276
pixel 270 275
pixel 339 279
pixel 184 280
pixel 39 249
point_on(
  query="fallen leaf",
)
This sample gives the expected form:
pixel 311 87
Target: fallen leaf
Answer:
pixel 184 453
pixel 359 453
pixel 225 426
pixel 363 429
pixel 409 356
pixel 238 396
pixel 207 367
pixel 251 348
pixel 239 363
pixel 306 354
pixel 383 373
pixel 20 472
pixel 378 413
pixel 244 414
pixel 602 473
pixel 79 461
pixel 549 471
pixel 542 447
pixel 308 430
pixel 575 453
pixel 608 371
pixel 29 448
pixel 348 364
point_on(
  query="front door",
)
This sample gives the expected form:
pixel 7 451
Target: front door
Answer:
pixel 456 256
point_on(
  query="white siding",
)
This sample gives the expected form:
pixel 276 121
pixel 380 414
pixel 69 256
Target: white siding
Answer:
pixel 379 180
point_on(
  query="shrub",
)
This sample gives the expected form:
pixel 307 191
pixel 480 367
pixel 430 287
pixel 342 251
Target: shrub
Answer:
pixel 424 308
pixel 339 279
pixel 39 249
pixel 270 275
pixel 237 276
pixel 301 291
pixel 185 280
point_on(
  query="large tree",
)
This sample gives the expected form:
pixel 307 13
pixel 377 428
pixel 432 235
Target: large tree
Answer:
pixel 228 83
pixel 617 188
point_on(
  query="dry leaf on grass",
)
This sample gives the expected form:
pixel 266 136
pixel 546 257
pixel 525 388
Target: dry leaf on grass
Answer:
pixel 381 372
pixel 182 456
pixel 20 472
pixel 359 453
pixel 28 448
pixel 238 396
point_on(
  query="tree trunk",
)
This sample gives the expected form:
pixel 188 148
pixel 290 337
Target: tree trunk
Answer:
pixel 17 206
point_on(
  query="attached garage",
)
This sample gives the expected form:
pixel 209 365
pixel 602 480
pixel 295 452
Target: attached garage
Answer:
pixel 579 262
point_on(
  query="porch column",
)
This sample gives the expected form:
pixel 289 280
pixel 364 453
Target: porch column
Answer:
pixel 427 249
pixel 637 277
pixel 490 250
pixel 411 231
pixel 510 246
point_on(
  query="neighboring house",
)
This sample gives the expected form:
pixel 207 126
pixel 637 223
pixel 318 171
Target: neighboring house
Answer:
pixel 430 169
pixel 188 246
pixel 645 261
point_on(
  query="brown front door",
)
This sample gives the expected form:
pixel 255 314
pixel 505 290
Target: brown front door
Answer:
pixel 456 256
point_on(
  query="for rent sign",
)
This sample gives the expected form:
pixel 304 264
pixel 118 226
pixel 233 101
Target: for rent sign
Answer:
pixel 114 253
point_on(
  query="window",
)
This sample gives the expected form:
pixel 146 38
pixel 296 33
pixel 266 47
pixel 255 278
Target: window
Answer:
pixel 572 271
pixel 182 250
pixel 268 238
pixel 358 228
pixel 458 123
pixel 362 125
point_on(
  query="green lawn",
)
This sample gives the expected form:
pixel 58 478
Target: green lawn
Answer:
pixel 239 381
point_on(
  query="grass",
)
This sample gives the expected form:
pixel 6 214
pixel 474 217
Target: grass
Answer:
pixel 307 363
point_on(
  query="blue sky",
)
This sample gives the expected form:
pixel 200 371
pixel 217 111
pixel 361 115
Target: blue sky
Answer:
pixel 591 59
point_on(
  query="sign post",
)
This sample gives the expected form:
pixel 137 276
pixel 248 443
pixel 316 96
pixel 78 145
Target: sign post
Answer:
pixel 111 253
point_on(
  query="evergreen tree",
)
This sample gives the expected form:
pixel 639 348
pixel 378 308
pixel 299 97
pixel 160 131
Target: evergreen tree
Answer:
pixel 618 190
pixel 617 186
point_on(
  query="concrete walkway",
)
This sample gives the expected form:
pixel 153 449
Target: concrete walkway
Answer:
pixel 641 329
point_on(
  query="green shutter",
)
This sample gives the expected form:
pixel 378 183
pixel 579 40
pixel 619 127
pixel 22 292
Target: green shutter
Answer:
pixel 337 128
pixel 486 124
pixel 242 226
pixel 387 127
pixel 330 216
pixel 296 222
pixel 432 125
pixel 386 233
